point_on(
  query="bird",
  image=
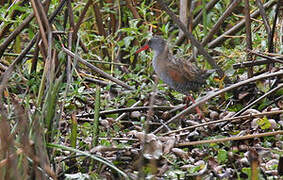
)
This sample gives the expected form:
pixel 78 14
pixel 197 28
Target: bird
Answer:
pixel 177 73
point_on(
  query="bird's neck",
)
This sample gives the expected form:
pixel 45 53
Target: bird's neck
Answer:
pixel 160 59
pixel 161 51
pixel 157 53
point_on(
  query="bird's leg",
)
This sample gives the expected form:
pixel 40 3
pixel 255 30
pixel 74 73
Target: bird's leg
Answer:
pixel 190 98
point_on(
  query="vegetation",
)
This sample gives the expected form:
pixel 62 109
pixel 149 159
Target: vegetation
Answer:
pixel 77 102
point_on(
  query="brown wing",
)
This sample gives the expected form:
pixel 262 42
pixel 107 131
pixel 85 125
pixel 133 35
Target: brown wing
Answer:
pixel 175 75
pixel 191 72
pixel 174 70
pixel 182 71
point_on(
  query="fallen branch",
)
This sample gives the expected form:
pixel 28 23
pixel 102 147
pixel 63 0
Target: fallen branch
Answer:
pixel 251 63
pixel 233 119
pixel 267 57
pixel 124 114
pixel 266 60
pixel 99 71
pixel 128 109
pixel 259 99
pixel 250 136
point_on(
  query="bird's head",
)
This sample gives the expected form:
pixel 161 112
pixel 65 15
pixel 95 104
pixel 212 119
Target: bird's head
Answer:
pixel 156 43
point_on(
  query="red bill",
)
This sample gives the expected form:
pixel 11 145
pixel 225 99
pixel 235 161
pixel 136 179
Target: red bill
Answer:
pixel 145 47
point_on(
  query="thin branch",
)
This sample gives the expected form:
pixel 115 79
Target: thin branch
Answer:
pixel 43 16
pixel 196 20
pixel 70 15
pixel 271 45
pixel 35 56
pixel 183 14
pixel 264 18
pixel 237 27
pixel 250 64
pixel 271 59
pixel 101 83
pixel 209 6
pixel 13 16
pixel 99 22
pixel 81 18
pixel 133 9
pixel 16 32
pixel 118 139
pixel 73 27
pixel 248 35
pixel 258 62
pixel 81 60
pixel 40 23
pixel 98 19
pixel 6 75
pixel 259 99
pixel 220 21
pixel 128 109
pixel 220 140
pixel 232 119
pixel 124 114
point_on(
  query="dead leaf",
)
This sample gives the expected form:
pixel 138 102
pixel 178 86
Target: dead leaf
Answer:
pixel 169 144
pixel 180 153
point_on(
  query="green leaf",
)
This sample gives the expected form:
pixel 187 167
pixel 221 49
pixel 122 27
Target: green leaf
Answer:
pixel 128 40
pixel 130 102
pixel 263 123
pixel 262 86
pixel 222 156
pixel 247 171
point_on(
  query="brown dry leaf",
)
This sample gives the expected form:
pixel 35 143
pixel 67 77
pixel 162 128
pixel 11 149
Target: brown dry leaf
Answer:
pixel 254 123
pixel 163 169
pixel 151 137
pixel 102 149
pixel 213 115
pixel 226 115
pixel 135 114
pixel 273 124
pixel 187 166
pixel 141 136
pixel 243 147
pixel 153 149
pixel 180 153
pixel 242 95
pixel 214 165
pixel 251 111
pixel 135 133
pixel 153 146
pixel 105 123
pixel 166 115
pixel 169 144
pixel 280 104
